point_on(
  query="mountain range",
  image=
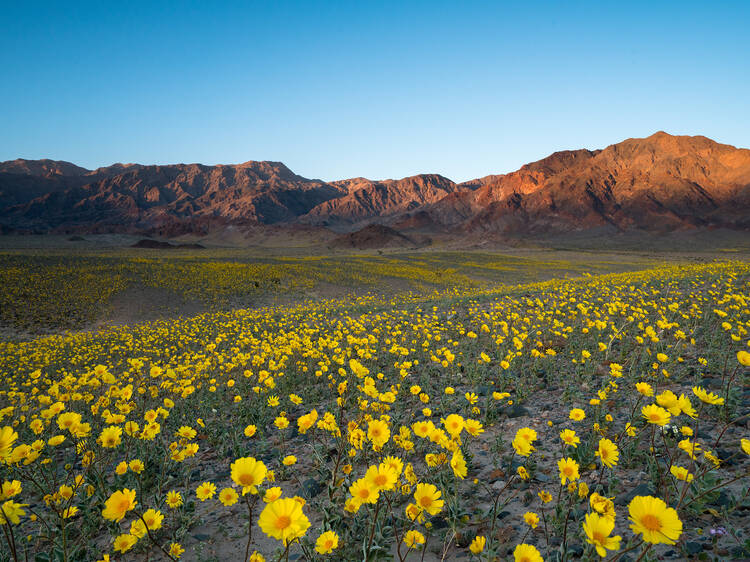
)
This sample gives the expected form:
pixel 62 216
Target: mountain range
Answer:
pixel 659 183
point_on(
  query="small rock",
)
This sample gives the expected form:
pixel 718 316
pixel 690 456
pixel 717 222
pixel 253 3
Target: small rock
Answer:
pixel 693 548
pixel 311 488
pixel 498 485
pixel 514 411
pixel 728 457
pixel 625 498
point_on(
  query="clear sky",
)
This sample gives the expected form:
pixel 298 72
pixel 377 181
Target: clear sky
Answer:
pixel 336 89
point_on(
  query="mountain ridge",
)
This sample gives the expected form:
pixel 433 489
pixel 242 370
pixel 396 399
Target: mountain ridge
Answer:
pixel 661 182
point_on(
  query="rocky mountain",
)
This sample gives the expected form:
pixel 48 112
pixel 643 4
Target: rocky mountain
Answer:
pixel 366 200
pixel 658 183
pixel 143 198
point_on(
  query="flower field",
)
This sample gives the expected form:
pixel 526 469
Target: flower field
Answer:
pixel 48 291
pixel 601 417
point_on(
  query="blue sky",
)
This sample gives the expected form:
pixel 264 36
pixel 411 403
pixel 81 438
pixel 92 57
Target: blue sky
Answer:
pixel 383 89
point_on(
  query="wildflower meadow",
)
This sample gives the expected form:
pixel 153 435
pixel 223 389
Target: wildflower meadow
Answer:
pixel 603 417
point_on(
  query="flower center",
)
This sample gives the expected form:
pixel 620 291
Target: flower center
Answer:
pixel 381 479
pixel 425 501
pixel 283 522
pixel 651 522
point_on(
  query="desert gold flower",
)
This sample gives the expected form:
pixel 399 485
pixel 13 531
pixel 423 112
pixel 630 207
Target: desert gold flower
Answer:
pixel 706 396
pixel 427 498
pixel 545 496
pixel 568 470
pixel 597 531
pixel 110 436
pixel 205 491
pixel 10 488
pixel 228 496
pixel 690 447
pixel 454 425
pixel 644 388
pixel 123 543
pixel 272 494
pixel 395 463
pixel 327 542
pixel 569 437
pixel 153 519
pixel 186 432
pixel 473 427
pixel 174 499
pixel 12 512
pixel 118 504
pixel 378 433
pixel 522 447
pixel 458 464
pixel 669 401
pixel 364 492
pixel 651 518
pixel 175 549
pixel 607 453
pixel 477 545
pixel 248 473
pixel 531 519
pixel 413 539
pixel 655 414
pixel 577 414
pixel 284 520
pixel 381 477
pixel 681 473
pixel 526 553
